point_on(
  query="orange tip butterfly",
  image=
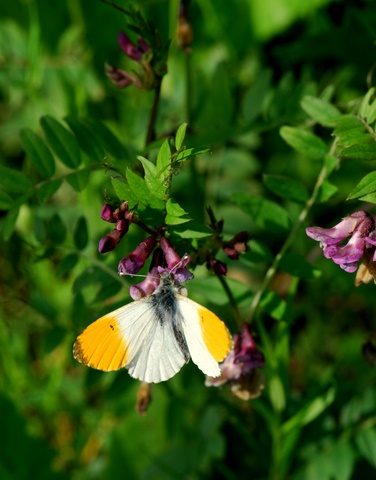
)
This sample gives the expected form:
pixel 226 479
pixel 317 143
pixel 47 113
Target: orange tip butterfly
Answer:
pixel 155 336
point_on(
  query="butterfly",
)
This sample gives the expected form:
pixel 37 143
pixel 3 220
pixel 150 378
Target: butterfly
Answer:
pixel 155 336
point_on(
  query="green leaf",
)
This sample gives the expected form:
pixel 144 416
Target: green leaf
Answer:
pixel 38 152
pixel 331 163
pixel 46 190
pixel 13 181
pixel 138 187
pixel 274 305
pixel 309 412
pixel 276 392
pixel 86 140
pixel 298 267
pixel 266 214
pixel 304 142
pixel 189 153
pixel 366 186
pixel 124 192
pixel 195 230
pixel 342 460
pixel 364 106
pixel 154 182
pixel 361 151
pixel 326 191
pixel 366 442
pixel 175 213
pixel 9 223
pixel 164 159
pixel 254 100
pixel 180 135
pixel 67 264
pixel 80 234
pixel 174 209
pixel 56 230
pixel 348 125
pixel 371 116
pixel 108 140
pixel 6 201
pixel 62 141
pixel 320 110
pixel 287 188
pixel 78 179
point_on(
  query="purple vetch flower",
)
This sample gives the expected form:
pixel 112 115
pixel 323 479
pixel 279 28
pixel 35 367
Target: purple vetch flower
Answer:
pixel 133 262
pixel 122 217
pixel 218 267
pixel 359 226
pixel 241 367
pixel 165 259
pixel 237 245
pixel 120 78
pixel 130 49
pixel 151 282
pixel 175 264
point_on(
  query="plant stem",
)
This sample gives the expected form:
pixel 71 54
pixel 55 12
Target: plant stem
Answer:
pixel 150 134
pixel 226 288
pixel 303 215
pixel 188 93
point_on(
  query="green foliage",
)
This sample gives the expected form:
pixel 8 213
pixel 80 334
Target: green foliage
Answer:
pixel 250 132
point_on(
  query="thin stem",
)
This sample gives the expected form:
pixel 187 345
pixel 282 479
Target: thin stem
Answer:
pixel 150 134
pixel 188 93
pixel 113 4
pixel 226 288
pixel 303 215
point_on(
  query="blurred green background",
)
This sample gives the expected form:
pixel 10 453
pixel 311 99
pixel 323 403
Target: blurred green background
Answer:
pixel 252 61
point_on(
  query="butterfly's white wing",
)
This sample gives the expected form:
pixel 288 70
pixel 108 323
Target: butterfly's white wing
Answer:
pixel 134 338
pixel 206 335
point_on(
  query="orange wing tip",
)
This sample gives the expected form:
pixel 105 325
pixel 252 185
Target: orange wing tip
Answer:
pixel 102 346
pixel 215 334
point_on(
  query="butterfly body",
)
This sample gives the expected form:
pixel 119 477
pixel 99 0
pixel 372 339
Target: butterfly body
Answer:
pixel 155 336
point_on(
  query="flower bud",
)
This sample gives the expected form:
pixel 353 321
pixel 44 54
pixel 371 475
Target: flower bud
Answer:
pixel 109 242
pixel 131 50
pixel 238 244
pixel 218 267
pixel 136 260
pixel 107 213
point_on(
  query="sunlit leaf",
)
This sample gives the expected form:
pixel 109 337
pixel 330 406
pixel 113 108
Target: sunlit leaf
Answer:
pixel 366 186
pixel 180 135
pixel 304 142
pixel 320 110
pixel 361 151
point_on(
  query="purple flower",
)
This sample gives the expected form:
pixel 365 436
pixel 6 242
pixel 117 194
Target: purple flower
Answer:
pixel 218 267
pixel 175 264
pixel 359 226
pixel 122 217
pixel 237 245
pixel 109 242
pixel 120 78
pixel 107 213
pixel 151 282
pixel 241 367
pixel 130 49
pixel 133 263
